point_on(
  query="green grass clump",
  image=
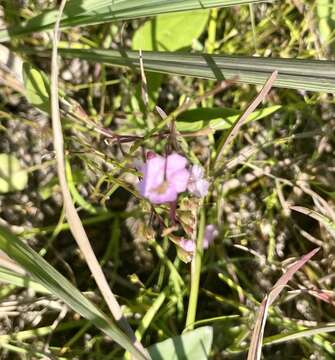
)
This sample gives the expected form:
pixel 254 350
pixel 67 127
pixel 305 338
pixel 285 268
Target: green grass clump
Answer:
pixel 271 193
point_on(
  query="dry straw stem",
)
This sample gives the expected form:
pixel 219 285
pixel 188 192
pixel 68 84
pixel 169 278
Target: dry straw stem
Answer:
pixel 255 349
pixel 144 84
pixel 167 119
pixel 322 219
pixel 232 133
pixel 11 70
pixel 73 219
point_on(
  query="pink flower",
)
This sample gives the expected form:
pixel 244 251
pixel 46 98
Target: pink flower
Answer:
pixel 186 249
pixel 187 245
pixel 211 232
pixel 197 185
pixel 163 178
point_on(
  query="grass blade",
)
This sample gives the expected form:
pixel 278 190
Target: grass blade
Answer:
pixel 72 216
pixel 22 280
pixel 195 274
pixel 49 278
pixel 229 137
pixel 294 335
pixel 217 118
pixel 90 12
pixel 257 336
pixel 150 314
pixel 312 75
pixel 322 219
pixel 42 331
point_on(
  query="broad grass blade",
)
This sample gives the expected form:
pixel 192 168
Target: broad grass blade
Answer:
pixel 89 12
pixel 312 75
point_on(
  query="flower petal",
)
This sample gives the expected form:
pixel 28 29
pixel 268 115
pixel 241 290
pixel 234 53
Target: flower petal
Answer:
pixel 164 178
pixel 153 175
pixel 179 180
pixel 211 232
pixel 198 188
pixel 197 172
pixel 187 245
pixel 175 162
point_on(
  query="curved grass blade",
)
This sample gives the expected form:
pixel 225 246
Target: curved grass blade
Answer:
pixel 311 75
pixel 229 137
pixel 89 12
pixel 44 274
pixel 217 118
pixel 294 335
pixel 71 214
pixel 322 219
pixel 255 349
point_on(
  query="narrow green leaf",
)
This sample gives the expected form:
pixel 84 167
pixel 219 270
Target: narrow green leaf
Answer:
pixel 313 75
pixel 89 12
pixel 39 332
pixel 75 193
pixel 195 344
pixel 294 335
pixel 47 276
pixel 217 118
pixel 150 314
pixel 163 32
pixel 13 278
pixel 12 176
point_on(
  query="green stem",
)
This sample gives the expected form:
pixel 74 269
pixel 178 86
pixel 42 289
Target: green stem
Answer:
pixel 150 314
pixel 195 274
pixel 211 45
pixel 253 26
